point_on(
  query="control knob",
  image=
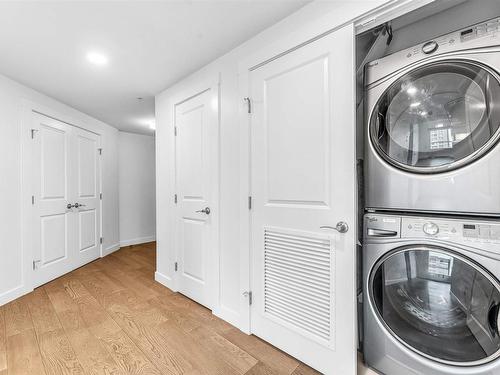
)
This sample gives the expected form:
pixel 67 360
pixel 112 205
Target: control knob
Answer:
pixel 431 228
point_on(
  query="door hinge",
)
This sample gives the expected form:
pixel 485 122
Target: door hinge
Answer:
pixel 249 203
pixel 250 297
pixel 32 199
pixel 100 151
pixel 249 104
pixel 33 131
pixel 100 240
pixel 36 264
pixel 175 131
pixel 175 198
pixel 176 266
pixel 100 196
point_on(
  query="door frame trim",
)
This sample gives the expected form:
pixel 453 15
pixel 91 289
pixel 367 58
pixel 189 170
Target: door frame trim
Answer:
pixel 210 83
pixel 29 107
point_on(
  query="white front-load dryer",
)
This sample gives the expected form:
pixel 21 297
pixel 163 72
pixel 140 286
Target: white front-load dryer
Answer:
pixel 431 295
pixel 433 125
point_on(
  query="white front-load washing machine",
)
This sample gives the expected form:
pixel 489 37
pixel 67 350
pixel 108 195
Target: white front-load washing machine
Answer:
pixel 431 295
pixel 433 125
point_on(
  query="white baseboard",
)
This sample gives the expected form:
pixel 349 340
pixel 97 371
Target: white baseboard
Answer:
pixel 137 241
pixel 14 293
pixel 164 280
pixel 230 316
pixel 110 249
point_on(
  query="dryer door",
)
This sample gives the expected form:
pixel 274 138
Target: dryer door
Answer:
pixel 438 303
pixel 438 117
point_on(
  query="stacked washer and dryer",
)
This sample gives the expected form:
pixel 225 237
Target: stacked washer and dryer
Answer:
pixel 431 251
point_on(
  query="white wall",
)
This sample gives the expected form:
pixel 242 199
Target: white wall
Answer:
pixel 14 263
pixel 307 23
pixel 136 160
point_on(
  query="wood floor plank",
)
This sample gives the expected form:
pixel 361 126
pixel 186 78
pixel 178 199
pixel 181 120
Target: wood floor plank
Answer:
pixel 262 369
pixel 3 342
pixel 23 354
pixel 239 360
pixel 203 359
pixel 111 317
pixel 127 355
pixel 160 352
pixel 278 361
pixel 58 355
pixel 95 359
pixel 305 370
pixel 17 317
pixel 42 312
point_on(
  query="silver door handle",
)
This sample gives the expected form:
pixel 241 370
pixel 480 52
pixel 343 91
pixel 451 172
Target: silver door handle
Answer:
pixel 79 205
pixel 381 233
pixel 341 227
pixel 206 210
pixel 70 206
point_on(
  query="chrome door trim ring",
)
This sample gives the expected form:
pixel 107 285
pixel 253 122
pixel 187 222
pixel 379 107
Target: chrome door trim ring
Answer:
pixel 444 250
pixel 469 159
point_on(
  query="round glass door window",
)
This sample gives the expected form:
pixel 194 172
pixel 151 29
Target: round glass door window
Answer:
pixel 438 117
pixel 439 304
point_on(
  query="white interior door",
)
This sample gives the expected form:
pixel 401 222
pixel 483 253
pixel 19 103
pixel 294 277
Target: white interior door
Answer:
pixel 66 172
pixel 303 178
pixel 87 199
pixel 196 138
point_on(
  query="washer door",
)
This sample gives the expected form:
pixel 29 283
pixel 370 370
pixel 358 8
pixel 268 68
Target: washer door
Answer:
pixel 438 303
pixel 438 117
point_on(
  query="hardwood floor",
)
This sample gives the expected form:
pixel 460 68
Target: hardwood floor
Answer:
pixel 110 317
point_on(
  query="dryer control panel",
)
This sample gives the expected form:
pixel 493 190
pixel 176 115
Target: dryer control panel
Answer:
pixel 482 35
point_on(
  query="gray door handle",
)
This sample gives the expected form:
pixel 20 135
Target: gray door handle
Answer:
pixel 341 227
pixel 70 206
pixel 206 211
pixel 79 205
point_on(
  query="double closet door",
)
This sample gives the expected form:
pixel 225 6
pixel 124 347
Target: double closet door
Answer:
pixel 66 198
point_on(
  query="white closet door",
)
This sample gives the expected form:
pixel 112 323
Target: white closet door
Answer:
pixel 196 132
pixel 65 169
pixel 303 178
pixel 88 226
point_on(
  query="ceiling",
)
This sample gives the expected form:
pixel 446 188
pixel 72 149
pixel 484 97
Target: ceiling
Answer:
pixel 149 44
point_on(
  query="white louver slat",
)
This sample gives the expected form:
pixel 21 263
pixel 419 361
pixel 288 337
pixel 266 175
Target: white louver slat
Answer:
pixel 297 280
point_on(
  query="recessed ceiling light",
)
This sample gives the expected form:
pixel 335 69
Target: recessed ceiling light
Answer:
pixel 97 58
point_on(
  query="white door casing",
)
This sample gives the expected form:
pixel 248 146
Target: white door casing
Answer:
pixel 196 153
pixel 303 176
pixel 65 171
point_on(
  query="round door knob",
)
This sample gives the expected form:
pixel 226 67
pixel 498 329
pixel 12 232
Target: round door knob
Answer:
pixel 342 227
pixel 206 211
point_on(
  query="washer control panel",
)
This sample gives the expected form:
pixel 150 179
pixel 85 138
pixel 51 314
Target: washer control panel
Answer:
pixel 451 229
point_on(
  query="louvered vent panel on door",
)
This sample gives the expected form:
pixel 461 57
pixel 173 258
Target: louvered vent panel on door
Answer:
pixel 297 281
